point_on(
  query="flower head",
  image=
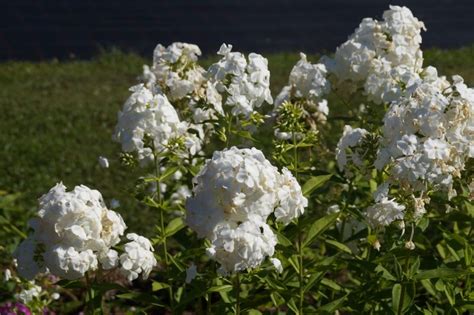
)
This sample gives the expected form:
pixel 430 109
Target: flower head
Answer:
pixel 138 257
pixel 70 231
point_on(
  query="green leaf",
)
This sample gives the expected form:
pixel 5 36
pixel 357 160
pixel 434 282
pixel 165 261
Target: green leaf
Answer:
pixel 424 223
pixel 385 273
pixel 274 284
pixel 277 299
pixel 467 254
pixel 157 286
pixel 329 283
pixel 339 246
pixel 332 306
pixel 414 268
pixel 396 292
pixel 429 287
pixel 315 277
pixel 319 226
pixel 220 288
pixel 314 183
pixel 244 134
pixel 292 306
pixel 174 226
pixel 450 295
pixel 409 294
pixel 440 273
pixel 293 260
pixel 470 208
pixel 176 263
pixel 168 172
pixel 453 252
pixel 283 240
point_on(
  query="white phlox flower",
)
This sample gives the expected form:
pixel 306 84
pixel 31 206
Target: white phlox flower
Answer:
pixel 242 247
pixel 292 201
pixel 346 148
pixel 245 84
pixel 380 54
pixel 307 84
pixel 175 70
pixel 233 196
pixel 384 212
pixel 277 264
pixel 27 295
pixel 72 229
pixel 138 257
pixel 150 116
pixel 427 134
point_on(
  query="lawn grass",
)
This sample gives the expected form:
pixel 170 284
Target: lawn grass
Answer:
pixel 58 117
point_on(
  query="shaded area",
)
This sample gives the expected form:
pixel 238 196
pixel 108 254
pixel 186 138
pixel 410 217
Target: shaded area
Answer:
pixel 35 30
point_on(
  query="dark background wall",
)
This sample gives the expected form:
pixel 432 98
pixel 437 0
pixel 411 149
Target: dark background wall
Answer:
pixel 35 29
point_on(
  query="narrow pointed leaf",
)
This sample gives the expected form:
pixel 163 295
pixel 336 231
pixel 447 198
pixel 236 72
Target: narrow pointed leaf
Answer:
pixel 314 183
pixel 319 226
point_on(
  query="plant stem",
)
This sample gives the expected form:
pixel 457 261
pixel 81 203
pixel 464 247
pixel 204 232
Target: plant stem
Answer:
pixel 229 131
pixel 90 295
pixel 300 274
pixel 404 287
pixel 237 294
pixel 163 235
pixel 300 237
pixel 162 223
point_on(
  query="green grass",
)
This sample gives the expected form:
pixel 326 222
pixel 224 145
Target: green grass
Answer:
pixel 58 117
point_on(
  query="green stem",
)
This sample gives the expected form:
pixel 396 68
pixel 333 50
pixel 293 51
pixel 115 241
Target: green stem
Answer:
pixel 162 223
pixel 404 287
pixel 300 237
pixel 237 294
pixel 163 235
pixel 158 196
pixel 229 130
pixel 300 274
pixel 90 296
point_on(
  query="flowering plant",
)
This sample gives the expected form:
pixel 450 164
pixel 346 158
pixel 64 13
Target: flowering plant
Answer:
pixel 299 224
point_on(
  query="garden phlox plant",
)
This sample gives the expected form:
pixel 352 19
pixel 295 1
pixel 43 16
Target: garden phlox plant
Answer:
pixel 296 222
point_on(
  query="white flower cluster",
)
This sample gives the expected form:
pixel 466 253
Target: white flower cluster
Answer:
pixel 73 232
pixel 148 122
pixel 428 135
pixel 384 212
pixel 174 70
pixel 308 83
pixel 29 294
pixel 138 257
pixel 381 54
pixel 232 198
pixel 348 149
pixel 428 131
pixel 246 85
pixel 176 73
pixel 242 246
